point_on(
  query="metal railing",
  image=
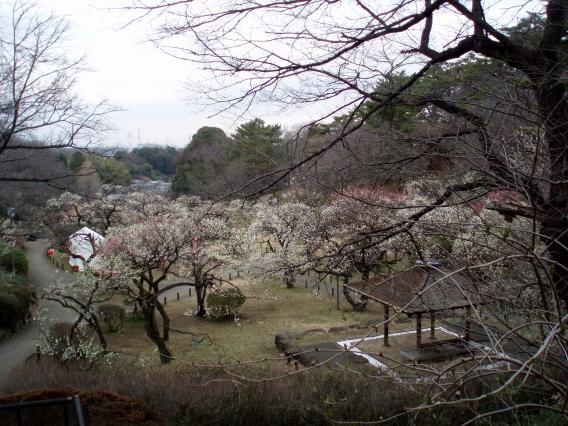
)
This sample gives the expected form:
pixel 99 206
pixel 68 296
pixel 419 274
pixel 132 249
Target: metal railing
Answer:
pixel 19 407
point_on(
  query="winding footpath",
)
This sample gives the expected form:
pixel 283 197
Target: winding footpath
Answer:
pixel 41 273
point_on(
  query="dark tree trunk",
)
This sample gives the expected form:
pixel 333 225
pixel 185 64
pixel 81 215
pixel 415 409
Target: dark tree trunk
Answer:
pixel 545 67
pixel 165 321
pixel 200 293
pixel 357 305
pixel 289 278
pixel 149 311
pixel 97 327
pixel 553 107
pixel 201 282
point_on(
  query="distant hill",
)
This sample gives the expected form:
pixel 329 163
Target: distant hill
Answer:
pixel 153 162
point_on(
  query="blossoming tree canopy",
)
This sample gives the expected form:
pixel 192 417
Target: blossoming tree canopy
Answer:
pixel 166 244
pixel 284 229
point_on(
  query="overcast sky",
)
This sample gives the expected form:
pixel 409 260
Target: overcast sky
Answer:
pixel 133 74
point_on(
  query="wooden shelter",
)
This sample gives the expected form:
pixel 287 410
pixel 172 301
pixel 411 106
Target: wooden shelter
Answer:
pixel 421 290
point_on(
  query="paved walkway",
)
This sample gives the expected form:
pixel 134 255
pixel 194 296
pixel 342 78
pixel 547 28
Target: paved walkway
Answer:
pixel 18 348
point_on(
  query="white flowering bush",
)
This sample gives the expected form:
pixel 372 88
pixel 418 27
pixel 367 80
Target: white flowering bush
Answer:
pixel 67 342
pixel 81 295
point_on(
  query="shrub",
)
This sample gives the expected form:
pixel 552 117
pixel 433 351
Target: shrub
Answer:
pixel 99 407
pixel 15 258
pixel 112 316
pixel 82 346
pixel 314 397
pixel 4 334
pixel 322 396
pixel 224 303
pixel 9 309
pixel 58 338
pixel 13 281
pixel 15 303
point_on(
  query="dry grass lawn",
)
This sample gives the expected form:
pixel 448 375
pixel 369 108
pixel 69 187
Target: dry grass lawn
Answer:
pixel 270 309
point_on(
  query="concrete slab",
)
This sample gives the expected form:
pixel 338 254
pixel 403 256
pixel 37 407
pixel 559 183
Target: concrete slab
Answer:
pixel 437 353
pixel 329 351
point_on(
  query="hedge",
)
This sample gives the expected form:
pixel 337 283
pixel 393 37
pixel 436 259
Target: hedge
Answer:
pixel 100 407
pixel 15 303
pixel 15 258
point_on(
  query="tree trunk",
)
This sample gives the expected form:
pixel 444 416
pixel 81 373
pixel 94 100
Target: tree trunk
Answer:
pixel 165 321
pixel 153 333
pixel 289 278
pixel 554 109
pixel 200 292
pixel 201 282
pixel 357 305
pixel 97 326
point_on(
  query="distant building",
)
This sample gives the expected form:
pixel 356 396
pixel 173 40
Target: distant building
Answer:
pixel 157 186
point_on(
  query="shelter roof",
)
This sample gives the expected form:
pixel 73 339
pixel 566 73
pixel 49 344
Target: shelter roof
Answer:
pixel 420 289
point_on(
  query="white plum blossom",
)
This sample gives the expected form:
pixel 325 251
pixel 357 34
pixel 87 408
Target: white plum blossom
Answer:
pixel 284 229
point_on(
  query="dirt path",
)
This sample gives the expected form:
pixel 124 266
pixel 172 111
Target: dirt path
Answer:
pixel 18 348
